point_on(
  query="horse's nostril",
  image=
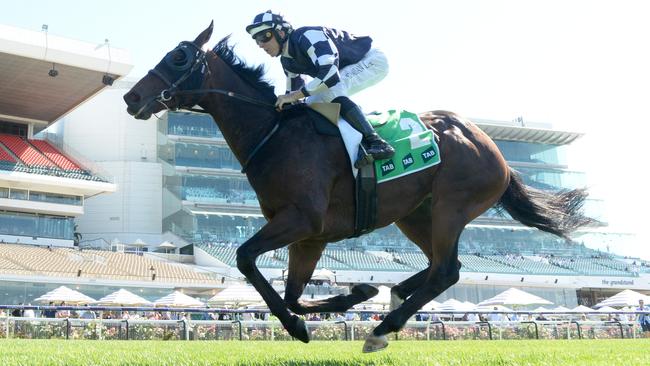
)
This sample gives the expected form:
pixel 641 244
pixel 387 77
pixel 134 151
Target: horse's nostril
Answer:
pixel 132 97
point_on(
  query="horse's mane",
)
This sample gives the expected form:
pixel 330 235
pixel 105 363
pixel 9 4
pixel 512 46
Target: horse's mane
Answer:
pixel 252 75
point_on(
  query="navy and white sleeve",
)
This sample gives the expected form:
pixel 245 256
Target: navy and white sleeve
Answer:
pixel 294 81
pixel 324 55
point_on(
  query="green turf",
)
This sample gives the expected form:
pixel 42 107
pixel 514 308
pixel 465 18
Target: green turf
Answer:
pixel 554 352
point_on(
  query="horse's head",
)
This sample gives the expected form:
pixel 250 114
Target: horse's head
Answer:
pixel 183 68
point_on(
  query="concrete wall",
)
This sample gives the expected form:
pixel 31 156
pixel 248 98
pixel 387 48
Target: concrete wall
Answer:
pixel 125 149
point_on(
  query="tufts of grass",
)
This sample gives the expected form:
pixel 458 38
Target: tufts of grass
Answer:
pixel 178 353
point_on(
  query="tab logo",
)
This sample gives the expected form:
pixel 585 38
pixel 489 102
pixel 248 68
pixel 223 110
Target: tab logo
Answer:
pixel 428 154
pixel 387 167
pixel 407 161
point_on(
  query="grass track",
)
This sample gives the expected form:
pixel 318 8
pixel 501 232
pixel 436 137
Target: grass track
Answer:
pixel 555 352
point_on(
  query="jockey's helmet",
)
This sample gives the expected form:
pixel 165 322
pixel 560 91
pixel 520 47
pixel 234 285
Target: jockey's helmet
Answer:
pixel 269 21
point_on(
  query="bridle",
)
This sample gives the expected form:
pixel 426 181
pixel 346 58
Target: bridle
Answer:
pixel 195 60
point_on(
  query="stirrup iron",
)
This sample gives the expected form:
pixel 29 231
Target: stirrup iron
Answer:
pixel 363 158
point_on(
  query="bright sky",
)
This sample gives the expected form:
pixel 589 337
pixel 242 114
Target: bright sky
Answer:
pixel 579 65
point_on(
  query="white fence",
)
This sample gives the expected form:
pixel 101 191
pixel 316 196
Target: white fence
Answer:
pixel 140 329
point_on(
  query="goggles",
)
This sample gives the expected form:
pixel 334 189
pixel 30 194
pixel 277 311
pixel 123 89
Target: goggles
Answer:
pixel 263 36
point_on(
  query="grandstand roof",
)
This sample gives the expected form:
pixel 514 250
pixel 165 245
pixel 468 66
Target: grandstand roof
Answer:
pixel 29 94
pixel 498 130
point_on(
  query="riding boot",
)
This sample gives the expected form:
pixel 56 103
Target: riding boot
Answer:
pixel 372 143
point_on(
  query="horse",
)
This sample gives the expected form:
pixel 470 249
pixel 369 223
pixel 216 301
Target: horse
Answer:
pixel 305 185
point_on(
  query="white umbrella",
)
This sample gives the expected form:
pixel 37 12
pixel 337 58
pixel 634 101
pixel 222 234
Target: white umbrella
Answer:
pixel 623 298
pixel 178 299
pixel 607 309
pixel 122 297
pixel 582 308
pixel 65 294
pixel 431 305
pixel 323 274
pixel 167 245
pixel 542 309
pixel 491 308
pixel 560 309
pixel 237 294
pixel 455 305
pixel 513 296
pixel 382 297
pixel 139 242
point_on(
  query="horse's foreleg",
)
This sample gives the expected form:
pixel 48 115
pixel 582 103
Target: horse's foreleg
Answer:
pixel 303 258
pixel 287 226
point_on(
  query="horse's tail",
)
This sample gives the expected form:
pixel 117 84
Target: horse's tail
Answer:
pixel 558 213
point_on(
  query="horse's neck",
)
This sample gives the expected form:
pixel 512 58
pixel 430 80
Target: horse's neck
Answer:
pixel 242 124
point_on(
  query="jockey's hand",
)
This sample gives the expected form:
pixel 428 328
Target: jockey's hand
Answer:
pixel 292 97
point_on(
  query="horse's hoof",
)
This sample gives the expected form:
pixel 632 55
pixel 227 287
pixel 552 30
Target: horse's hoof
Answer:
pixel 298 329
pixel 375 343
pixel 366 291
pixel 395 301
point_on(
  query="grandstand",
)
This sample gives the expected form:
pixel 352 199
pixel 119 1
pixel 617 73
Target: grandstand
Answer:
pixel 174 181
pixel 96 264
pixel 43 186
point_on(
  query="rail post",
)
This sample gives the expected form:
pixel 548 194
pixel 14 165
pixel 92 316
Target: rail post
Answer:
pixel 345 327
pixel 536 329
pixel 620 327
pixel 489 328
pixel 578 326
pixel 241 334
pixel 444 333
pixel 186 331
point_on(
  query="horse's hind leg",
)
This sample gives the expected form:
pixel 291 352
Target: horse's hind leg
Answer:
pixel 303 257
pixel 417 228
pixel 443 272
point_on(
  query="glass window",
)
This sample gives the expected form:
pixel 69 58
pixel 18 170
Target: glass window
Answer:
pixel 551 179
pixel 4 192
pixel 25 224
pixel 516 151
pixel 192 124
pixel 213 189
pixel 206 156
pixel 18 194
pixel 55 198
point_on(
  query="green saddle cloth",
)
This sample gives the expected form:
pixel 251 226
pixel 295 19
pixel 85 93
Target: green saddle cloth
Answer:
pixel 415 145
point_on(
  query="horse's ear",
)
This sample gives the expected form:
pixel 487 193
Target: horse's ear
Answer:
pixel 204 37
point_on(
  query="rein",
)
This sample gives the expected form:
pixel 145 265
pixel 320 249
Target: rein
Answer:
pixel 199 63
pixel 242 98
pixel 227 93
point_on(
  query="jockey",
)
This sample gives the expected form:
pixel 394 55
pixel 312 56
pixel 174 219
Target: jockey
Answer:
pixel 339 63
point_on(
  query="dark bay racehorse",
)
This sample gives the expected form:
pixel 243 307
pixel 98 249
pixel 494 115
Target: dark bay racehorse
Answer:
pixel 306 189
